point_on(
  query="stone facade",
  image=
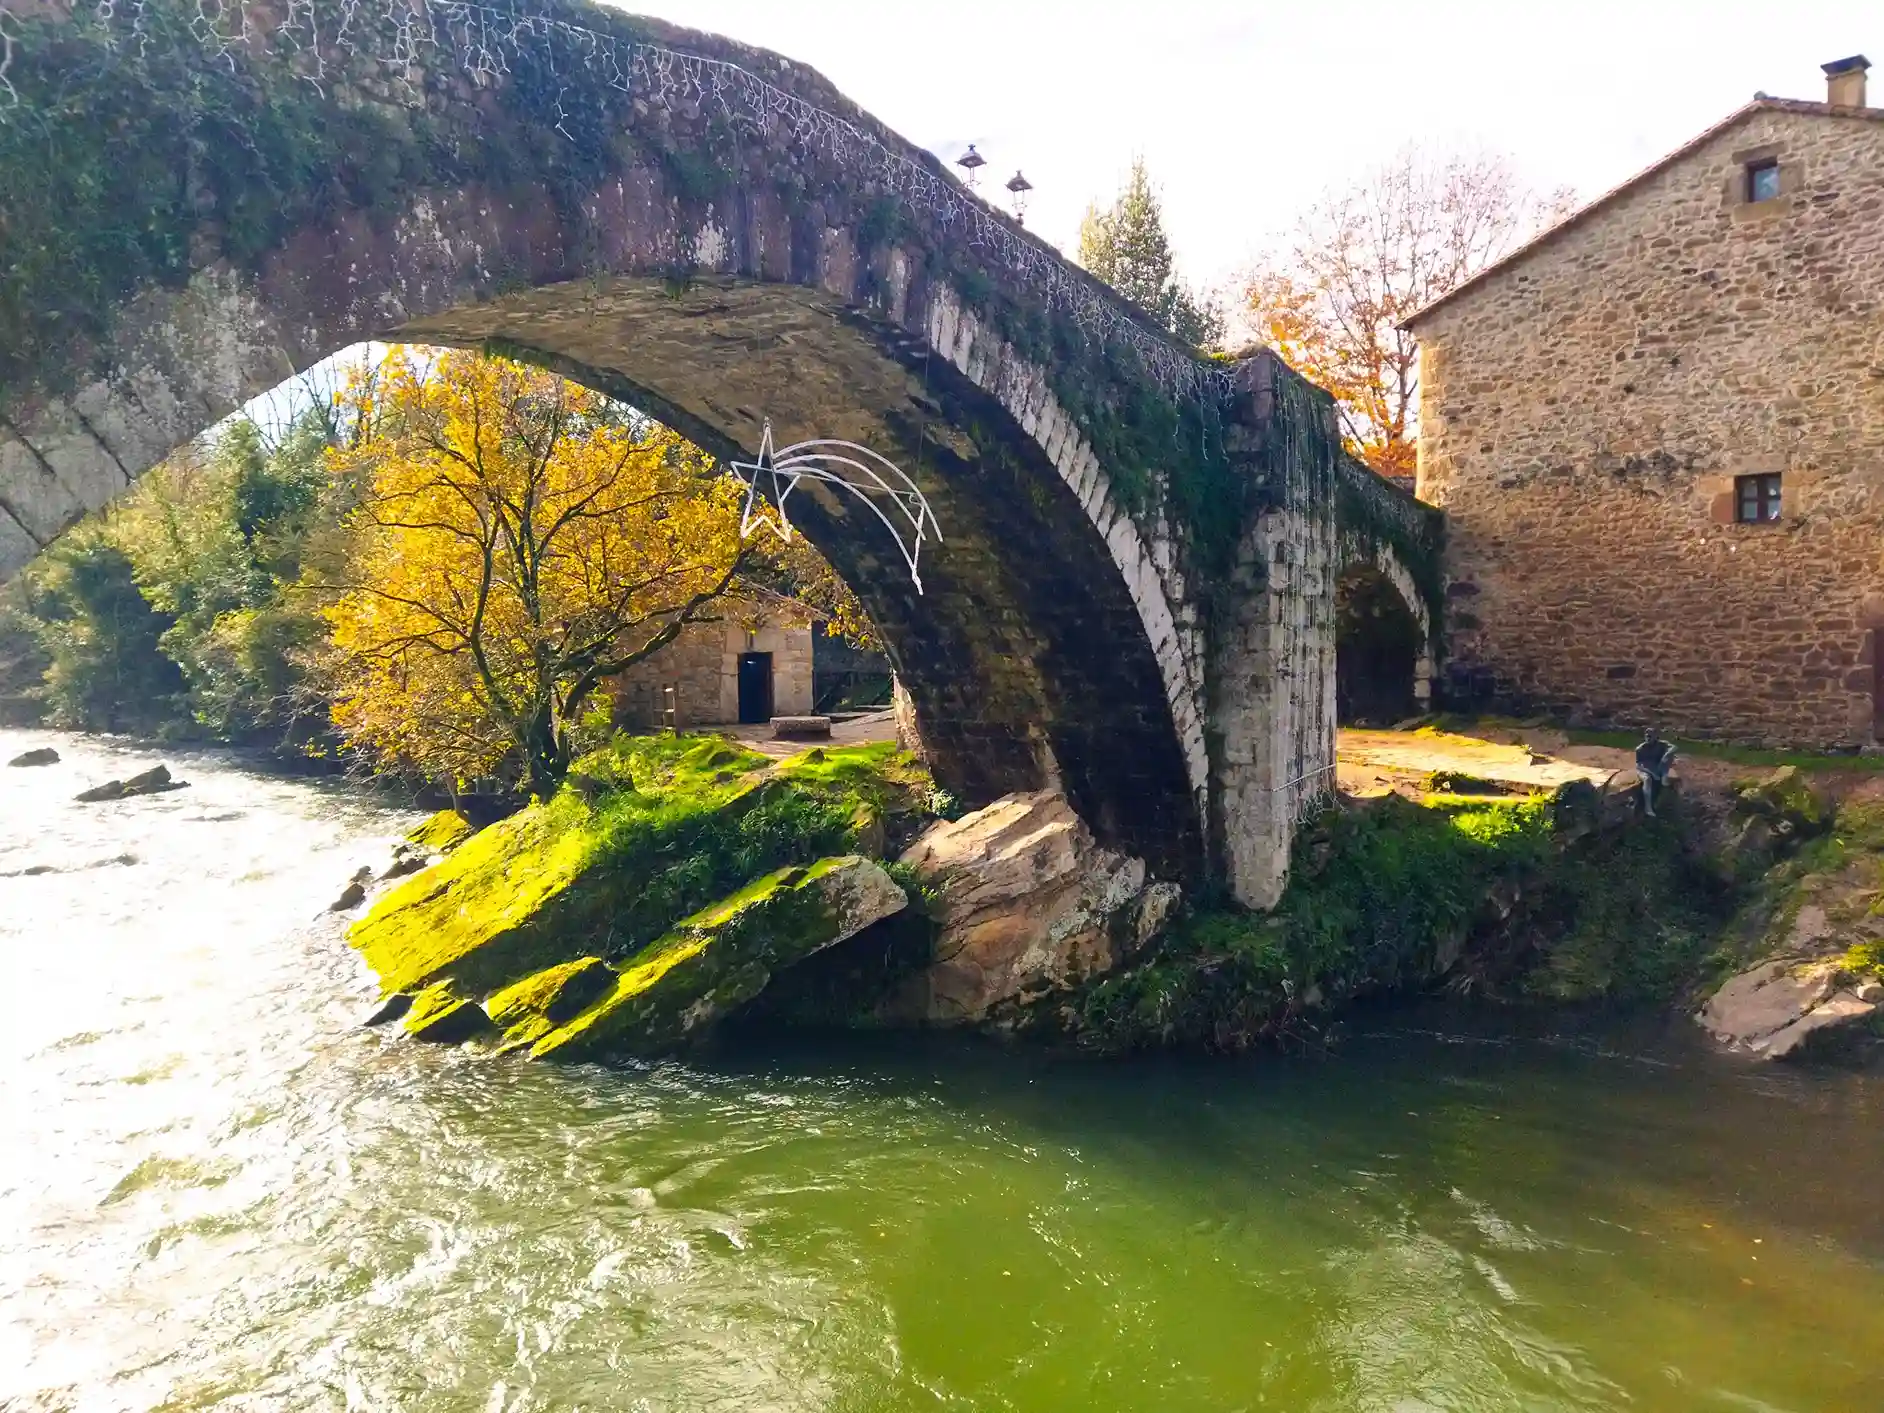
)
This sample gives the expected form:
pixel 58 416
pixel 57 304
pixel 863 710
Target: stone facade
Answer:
pixel 697 675
pixel 1589 403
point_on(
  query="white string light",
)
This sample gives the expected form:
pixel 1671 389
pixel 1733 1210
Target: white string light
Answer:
pixel 847 466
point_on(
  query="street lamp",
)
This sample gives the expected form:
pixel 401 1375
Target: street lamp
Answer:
pixel 1019 186
pixel 969 161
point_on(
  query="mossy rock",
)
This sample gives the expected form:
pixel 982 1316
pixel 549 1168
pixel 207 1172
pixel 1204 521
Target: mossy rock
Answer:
pixel 442 1017
pixel 1786 795
pixel 442 833
pixel 721 958
pixel 559 993
pixel 564 879
pixel 592 877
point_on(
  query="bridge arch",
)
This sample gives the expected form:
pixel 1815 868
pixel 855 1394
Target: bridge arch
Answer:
pixel 711 233
pixel 1385 661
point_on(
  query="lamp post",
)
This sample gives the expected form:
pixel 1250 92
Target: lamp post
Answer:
pixel 970 161
pixel 1019 186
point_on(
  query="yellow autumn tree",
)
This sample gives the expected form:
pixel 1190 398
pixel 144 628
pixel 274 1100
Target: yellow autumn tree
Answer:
pixel 519 540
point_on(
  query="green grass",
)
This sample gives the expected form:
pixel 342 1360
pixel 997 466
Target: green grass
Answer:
pixel 1736 754
pixel 1373 901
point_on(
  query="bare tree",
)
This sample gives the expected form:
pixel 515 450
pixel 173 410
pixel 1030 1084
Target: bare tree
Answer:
pixel 1331 294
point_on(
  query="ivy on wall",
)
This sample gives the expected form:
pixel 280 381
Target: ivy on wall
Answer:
pixel 1375 513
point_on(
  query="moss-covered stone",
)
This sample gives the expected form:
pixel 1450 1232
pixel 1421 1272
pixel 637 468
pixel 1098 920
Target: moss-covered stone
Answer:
pixel 442 1017
pixel 533 916
pixel 442 833
pixel 557 994
pixel 723 956
pixel 1786 795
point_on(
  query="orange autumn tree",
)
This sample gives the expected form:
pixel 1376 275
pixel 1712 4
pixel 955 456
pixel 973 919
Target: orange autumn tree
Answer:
pixel 1331 296
pixel 519 540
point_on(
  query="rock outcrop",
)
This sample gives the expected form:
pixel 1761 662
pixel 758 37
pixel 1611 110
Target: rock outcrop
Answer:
pixel 39 755
pixel 708 967
pixel 1027 903
pixel 350 898
pixel 155 781
pixel 672 991
pixel 1774 1009
pixel 588 925
pixel 1787 798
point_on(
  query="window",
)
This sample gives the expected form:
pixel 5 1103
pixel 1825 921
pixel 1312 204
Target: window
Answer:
pixel 1756 499
pixel 1763 180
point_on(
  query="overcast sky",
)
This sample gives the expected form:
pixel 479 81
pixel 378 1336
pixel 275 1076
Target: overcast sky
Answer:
pixel 1245 111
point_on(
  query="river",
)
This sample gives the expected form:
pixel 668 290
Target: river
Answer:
pixel 218 1191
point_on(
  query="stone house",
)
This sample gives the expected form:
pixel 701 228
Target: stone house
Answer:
pixel 1657 431
pixel 747 665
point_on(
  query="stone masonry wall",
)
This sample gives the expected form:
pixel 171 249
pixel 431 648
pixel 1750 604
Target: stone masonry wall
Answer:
pixel 702 666
pixel 1587 408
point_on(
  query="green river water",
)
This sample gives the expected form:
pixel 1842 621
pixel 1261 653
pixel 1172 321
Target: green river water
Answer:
pixel 217 1192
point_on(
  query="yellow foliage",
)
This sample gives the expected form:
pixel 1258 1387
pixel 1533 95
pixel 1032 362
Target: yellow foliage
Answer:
pixel 520 539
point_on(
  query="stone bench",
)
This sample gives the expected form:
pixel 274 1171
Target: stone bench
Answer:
pixel 801 728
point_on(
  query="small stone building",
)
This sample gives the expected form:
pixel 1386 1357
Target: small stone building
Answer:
pixel 1657 431
pixel 745 666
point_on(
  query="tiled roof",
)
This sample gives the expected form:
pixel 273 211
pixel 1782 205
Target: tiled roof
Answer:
pixel 1582 213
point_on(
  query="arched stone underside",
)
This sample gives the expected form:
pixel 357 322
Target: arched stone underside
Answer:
pixel 715 235
pixel 1033 654
pixel 1382 559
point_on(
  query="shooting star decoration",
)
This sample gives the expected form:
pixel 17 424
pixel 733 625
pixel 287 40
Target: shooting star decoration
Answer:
pixel 870 477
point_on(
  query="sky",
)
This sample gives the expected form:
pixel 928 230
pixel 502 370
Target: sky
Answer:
pixel 1245 112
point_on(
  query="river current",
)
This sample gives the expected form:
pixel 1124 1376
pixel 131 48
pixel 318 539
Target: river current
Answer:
pixel 218 1192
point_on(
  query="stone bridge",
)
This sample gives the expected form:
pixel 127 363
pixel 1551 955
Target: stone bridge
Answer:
pixel 1134 597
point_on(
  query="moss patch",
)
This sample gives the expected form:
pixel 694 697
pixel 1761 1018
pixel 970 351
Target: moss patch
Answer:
pixel 442 833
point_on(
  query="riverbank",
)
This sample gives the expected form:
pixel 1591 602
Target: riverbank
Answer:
pixel 1501 871
pixel 1512 866
pixel 1508 867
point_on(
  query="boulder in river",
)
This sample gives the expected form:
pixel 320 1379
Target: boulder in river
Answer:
pixel 39 755
pixel 1771 1011
pixel 155 781
pixel 560 917
pixel 1028 903
pixel 440 1017
pixel 713 963
pixel 405 860
pixel 393 1008
pixel 350 897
